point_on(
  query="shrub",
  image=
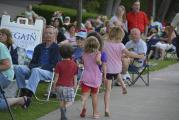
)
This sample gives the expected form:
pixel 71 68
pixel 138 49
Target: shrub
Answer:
pixel 92 6
pixel 48 10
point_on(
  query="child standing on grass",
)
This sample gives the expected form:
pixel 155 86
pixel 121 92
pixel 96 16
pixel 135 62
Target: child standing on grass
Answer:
pixel 114 50
pixel 92 76
pixel 65 79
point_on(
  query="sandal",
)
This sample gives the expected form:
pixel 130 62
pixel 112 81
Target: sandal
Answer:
pixel 27 102
pixel 106 114
pixel 83 113
pixel 96 116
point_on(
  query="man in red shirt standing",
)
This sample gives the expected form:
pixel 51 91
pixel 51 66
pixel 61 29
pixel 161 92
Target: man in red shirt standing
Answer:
pixel 137 19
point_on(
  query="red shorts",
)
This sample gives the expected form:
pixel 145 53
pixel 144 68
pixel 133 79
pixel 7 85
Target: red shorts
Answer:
pixel 85 89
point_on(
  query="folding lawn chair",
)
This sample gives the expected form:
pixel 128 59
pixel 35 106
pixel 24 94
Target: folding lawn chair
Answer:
pixel 171 53
pixel 80 72
pixel 50 83
pixel 137 73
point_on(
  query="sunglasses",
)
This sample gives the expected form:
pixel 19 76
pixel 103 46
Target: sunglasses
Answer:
pixel 79 38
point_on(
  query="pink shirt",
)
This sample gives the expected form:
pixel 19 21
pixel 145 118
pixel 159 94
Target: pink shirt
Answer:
pixel 114 55
pixel 91 75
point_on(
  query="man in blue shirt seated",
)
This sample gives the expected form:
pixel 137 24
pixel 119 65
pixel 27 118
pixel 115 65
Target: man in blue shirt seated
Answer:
pixel 44 59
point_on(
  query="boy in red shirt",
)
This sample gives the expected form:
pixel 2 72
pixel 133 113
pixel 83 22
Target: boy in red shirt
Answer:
pixel 65 79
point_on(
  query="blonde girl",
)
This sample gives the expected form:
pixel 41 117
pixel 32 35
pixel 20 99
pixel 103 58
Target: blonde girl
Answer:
pixel 92 76
pixel 114 50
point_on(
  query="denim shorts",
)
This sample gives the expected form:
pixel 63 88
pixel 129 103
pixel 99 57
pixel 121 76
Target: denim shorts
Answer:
pixel 65 94
pixel 3 105
pixel 4 82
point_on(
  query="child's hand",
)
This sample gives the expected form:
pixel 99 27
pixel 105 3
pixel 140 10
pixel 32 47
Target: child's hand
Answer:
pixel 54 88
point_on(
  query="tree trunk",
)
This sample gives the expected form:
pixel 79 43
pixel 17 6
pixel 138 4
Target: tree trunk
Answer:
pixel 79 14
pixel 174 8
pixel 109 7
pixel 163 9
pixel 115 5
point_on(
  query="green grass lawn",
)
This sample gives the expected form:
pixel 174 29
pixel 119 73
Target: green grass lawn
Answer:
pixel 38 109
pixel 157 65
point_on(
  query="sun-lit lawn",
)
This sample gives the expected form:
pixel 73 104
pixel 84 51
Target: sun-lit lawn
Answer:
pixel 38 109
pixel 157 65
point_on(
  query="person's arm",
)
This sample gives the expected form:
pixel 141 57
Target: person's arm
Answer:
pixel 55 80
pixel 174 24
pixel 170 34
pixel 104 69
pixel 35 15
pixel 98 58
pixel 146 30
pixel 104 66
pixel 75 81
pixel 4 64
pixel 133 55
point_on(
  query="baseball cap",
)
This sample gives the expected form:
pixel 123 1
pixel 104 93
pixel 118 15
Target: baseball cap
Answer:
pixel 82 34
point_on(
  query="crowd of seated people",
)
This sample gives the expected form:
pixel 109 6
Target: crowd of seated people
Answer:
pixel 158 42
pixel 62 30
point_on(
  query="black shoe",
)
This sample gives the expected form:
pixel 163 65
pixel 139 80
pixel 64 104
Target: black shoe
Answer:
pixel 23 92
pixel 29 93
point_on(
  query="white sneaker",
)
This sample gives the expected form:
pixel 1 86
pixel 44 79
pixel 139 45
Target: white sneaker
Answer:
pixel 126 76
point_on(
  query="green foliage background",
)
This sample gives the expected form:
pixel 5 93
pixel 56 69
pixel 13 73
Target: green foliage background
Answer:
pixel 48 10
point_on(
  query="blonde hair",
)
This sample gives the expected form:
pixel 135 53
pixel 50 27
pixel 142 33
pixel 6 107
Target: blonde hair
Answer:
pixel 118 11
pixel 91 44
pixel 116 33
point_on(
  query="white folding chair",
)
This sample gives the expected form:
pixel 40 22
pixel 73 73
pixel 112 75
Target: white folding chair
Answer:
pixel 78 83
pixel 50 82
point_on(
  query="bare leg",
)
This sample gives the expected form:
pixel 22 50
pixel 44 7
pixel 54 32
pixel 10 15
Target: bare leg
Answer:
pixel 125 65
pixel 68 104
pixel 95 104
pixel 63 110
pixel 157 51
pixel 15 101
pixel 84 101
pixel 123 86
pixel 162 54
pixel 107 94
pixel 62 104
pixel 150 53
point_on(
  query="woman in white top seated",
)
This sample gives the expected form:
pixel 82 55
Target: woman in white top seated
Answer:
pixel 70 35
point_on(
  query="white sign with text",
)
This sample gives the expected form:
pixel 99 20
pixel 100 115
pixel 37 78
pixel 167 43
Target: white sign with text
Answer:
pixel 24 35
